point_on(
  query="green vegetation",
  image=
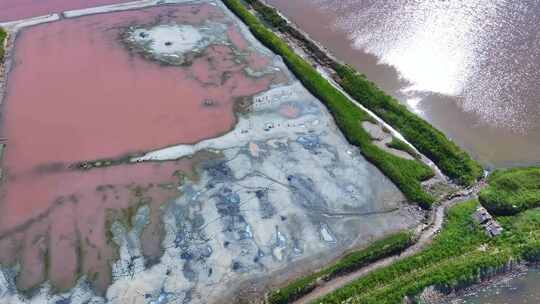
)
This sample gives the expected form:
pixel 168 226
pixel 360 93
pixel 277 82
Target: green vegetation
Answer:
pixel 269 14
pixel 350 262
pixel 462 253
pixel 460 238
pixel 400 145
pixel 522 234
pixel 3 36
pixel 453 161
pixel 459 256
pixel 512 191
pixel 406 174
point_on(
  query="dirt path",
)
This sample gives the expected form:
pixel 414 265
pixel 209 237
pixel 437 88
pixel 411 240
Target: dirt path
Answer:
pixel 425 238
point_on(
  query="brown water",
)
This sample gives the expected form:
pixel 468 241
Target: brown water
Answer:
pixel 521 290
pixel 471 68
pixel 20 9
pixel 76 93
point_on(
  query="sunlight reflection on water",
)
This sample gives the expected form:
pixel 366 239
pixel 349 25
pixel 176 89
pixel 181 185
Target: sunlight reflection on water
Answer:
pixel 485 52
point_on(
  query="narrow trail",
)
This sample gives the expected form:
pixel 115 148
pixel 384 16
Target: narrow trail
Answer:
pixel 424 239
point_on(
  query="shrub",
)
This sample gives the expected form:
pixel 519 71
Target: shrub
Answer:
pixel 531 251
pixel 3 36
pixel 269 14
pixel 453 161
pixel 512 191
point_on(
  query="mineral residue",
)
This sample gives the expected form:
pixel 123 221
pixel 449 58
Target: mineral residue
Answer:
pixel 277 188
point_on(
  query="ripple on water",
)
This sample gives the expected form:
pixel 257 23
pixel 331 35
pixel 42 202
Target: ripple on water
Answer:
pixel 470 67
pixel 486 52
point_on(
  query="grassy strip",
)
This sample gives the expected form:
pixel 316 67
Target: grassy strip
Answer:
pixel 459 256
pixel 269 14
pixel 459 237
pixel 406 174
pixel 512 191
pixel 400 145
pixel 454 162
pixel 355 260
pixel 3 36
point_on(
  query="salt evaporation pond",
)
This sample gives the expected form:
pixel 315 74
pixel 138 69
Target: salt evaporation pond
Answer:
pixel 19 9
pixel 165 155
pixel 75 94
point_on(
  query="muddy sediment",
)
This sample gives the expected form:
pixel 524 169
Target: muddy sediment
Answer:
pixel 282 190
pixel 44 200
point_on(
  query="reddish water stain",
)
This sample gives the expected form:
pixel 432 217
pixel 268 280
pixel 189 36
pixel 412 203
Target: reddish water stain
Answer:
pixel 236 38
pixel 90 99
pixel 77 94
pixel 70 235
pixel 20 9
pixel 289 111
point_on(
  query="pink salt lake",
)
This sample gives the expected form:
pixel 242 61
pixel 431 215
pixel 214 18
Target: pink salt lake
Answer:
pixel 76 93
pixel 20 9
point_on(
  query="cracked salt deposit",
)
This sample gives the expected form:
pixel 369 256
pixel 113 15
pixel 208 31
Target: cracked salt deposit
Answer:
pixel 169 39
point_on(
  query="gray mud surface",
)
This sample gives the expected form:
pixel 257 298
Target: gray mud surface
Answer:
pixel 288 194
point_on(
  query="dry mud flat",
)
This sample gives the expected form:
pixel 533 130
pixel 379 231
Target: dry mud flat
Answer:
pixel 283 188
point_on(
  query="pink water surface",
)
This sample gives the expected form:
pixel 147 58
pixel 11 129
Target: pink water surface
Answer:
pixel 20 9
pixel 76 93
pixel 69 236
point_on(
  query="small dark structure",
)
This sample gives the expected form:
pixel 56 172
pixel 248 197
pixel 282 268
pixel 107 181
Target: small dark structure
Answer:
pixel 482 216
pixel 490 225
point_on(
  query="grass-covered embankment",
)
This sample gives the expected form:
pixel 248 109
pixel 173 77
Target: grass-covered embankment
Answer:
pixel 512 191
pixel 3 36
pixel 406 174
pixel 388 246
pixel 459 256
pixel 269 14
pixel 400 145
pixel 452 161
